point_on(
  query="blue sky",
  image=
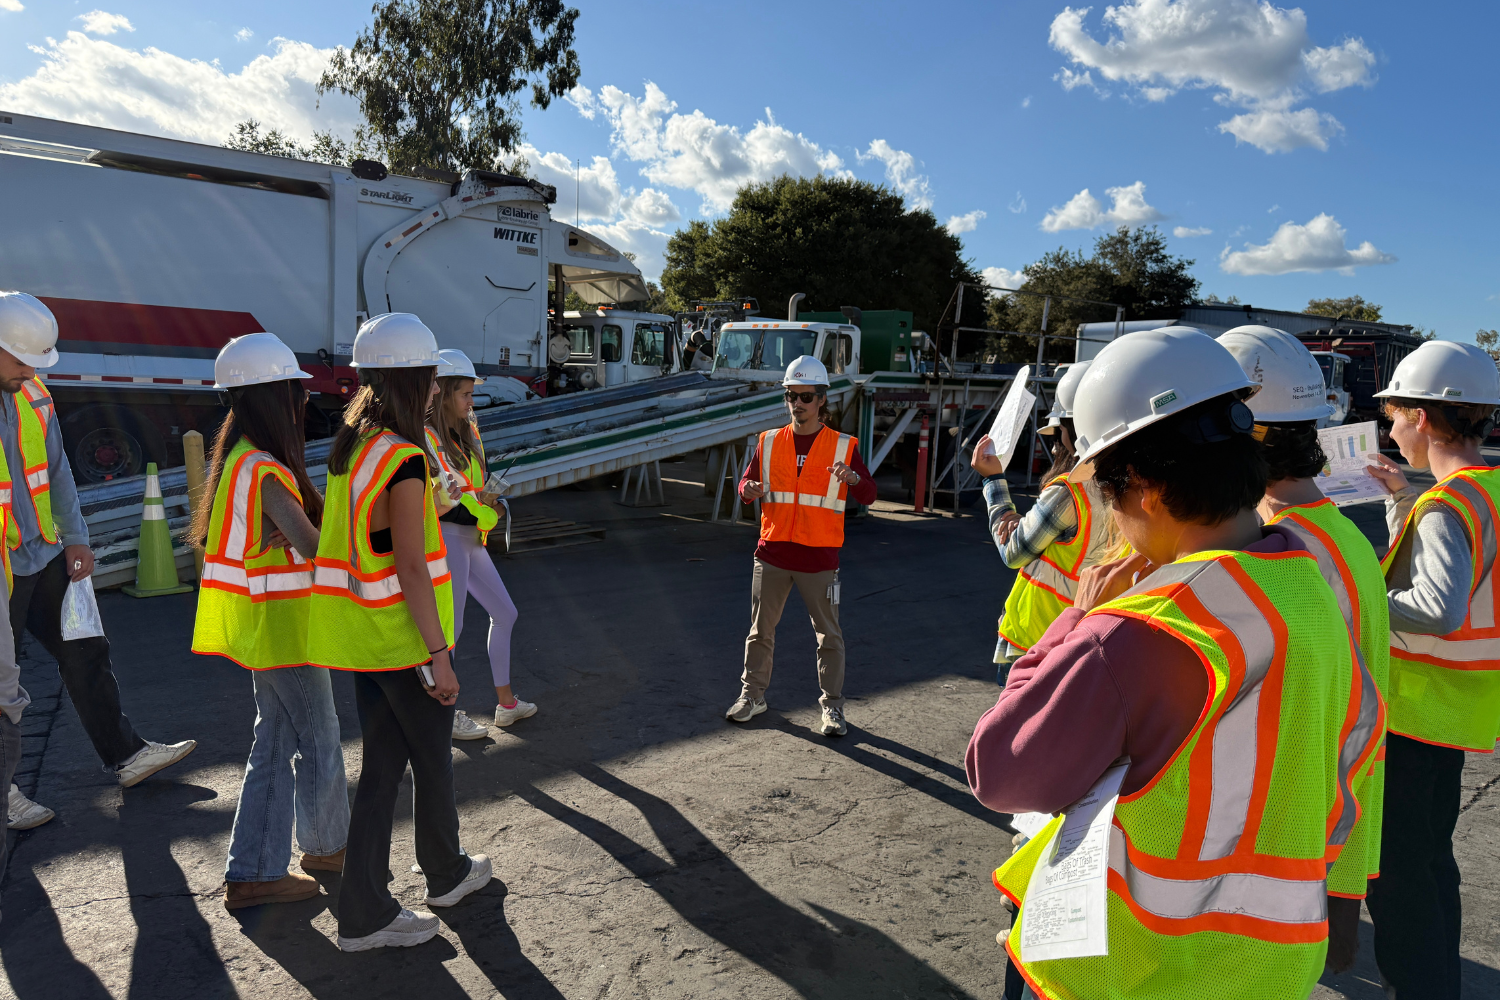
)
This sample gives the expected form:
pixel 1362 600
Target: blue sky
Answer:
pixel 1378 178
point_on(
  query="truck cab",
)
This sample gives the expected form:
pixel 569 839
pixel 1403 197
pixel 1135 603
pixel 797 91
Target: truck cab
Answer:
pixel 749 349
pixel 1335 370
pixel 605 347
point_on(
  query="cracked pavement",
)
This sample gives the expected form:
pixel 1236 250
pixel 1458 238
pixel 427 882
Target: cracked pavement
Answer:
pixel 643 846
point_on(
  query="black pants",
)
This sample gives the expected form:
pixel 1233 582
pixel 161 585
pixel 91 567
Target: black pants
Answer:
pixel 36 606
pixel 400 723
pixel 1415 903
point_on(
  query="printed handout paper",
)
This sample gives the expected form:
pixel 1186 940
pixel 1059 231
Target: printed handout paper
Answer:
pixel 1350 449
pixel 1010 419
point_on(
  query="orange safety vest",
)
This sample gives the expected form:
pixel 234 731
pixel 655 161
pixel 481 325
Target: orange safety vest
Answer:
pixel 806 509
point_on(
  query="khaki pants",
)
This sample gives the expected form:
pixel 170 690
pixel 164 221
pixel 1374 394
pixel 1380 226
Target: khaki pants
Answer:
pixel 769 589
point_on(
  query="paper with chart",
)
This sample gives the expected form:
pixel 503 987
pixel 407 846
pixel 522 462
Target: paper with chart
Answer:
pixel 1010 419
pixel 1350 449
pixel 1065 914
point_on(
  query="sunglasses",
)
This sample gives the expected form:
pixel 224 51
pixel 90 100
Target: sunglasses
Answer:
pixel 806 397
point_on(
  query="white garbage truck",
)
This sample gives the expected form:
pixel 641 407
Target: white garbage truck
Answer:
pixel 153 253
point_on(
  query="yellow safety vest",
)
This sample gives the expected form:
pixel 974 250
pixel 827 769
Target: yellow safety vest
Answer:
pixel 472 480
pixel 1351 569
pixel 1445 689
pixel 253 602
pixel 1045 587
pixel 33 414
pixel 1217 865
pixel 362 622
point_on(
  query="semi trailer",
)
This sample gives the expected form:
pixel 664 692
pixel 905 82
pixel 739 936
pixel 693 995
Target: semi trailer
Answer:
pixel 153 253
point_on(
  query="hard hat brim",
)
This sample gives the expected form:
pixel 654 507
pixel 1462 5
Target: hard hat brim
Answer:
pixel 1432 397
pixel 822 384
pixel 299 373
pixel 1084 470
pixel 34 360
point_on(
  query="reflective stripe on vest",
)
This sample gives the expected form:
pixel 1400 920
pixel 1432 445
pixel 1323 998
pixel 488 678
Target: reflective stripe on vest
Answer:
pixel 253 601
pixel 796 514
pixel 357 597
pixel 1045 587
pixel 1445 689
pixel 1217 864
pixel 32 421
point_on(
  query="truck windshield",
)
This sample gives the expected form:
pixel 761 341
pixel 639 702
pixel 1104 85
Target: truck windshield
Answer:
pixel 1326 363
pixel 782 347
pixel 650 346
pixel 737 347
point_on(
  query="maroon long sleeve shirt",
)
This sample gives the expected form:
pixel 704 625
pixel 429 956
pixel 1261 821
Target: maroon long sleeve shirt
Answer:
pixel 1093 689
pixel 791 556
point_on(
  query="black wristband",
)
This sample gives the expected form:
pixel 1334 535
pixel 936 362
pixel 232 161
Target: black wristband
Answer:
pixel 440 649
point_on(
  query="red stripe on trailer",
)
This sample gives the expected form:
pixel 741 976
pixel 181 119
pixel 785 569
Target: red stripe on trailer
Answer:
pixel 84 321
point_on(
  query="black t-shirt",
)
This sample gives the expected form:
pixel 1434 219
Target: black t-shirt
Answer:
pixel 413 468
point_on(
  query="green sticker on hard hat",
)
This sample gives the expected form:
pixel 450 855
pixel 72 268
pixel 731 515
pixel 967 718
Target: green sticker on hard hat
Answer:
pixel 1450 391
pixel 1157 402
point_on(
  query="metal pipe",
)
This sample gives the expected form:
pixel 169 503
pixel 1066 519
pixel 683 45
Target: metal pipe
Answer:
pixel 891 438
pixel 791 307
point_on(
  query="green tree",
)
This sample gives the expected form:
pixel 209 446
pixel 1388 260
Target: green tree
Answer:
pixel 841 242
pixel 1489 342
pixel 439 82
pixel 1353 307
pixel 1129 267
pixel 325 147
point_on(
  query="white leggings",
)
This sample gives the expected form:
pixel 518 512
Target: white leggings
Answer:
pixel 474 573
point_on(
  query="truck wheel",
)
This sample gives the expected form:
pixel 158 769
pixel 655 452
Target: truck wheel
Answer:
pixel 110 443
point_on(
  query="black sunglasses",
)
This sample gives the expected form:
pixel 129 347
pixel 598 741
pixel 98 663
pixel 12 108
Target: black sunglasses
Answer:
pixel 806 397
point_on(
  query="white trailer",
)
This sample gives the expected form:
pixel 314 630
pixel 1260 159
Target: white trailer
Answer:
pixel 154 252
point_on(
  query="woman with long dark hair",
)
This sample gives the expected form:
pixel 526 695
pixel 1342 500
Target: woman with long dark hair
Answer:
pixel 253 610
pixel 465 525
pixel 382 608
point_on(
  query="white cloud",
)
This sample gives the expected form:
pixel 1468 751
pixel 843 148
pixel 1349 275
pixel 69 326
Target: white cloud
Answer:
pixel 1026 101
pixel 1018 205
pixel 901 173
pixel 98 22
pixel 1341 66
pixel 1084 211
pixel 14 6
pixel 1277 130
pixel 96 82
pixel 1071 81
pixel 1187 232
pixel 583 99
pixel 1256 55
pixel 695 152
pixel 966 223
pixel 1274 209
pixel 244 35
pixel 651 208
pixel 1317 246
pixel 1003 277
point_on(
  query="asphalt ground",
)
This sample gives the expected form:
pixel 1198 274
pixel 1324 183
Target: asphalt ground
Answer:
pixel 643 846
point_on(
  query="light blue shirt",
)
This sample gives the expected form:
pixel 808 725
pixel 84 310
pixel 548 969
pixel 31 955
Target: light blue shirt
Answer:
pixel 35 551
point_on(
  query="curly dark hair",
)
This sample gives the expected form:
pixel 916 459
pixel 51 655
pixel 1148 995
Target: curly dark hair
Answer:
pixel 1292 451
pixel 1204 460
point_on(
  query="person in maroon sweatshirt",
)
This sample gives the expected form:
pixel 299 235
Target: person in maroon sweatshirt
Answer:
pixel 781 563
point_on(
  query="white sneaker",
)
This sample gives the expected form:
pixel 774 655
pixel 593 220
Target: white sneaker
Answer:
pixel 833 723
pixel 152 758
pixel 465 728
pixel 25 814
pixel 521 710
pixel 745 709
pixel 409 928
pixel 480 873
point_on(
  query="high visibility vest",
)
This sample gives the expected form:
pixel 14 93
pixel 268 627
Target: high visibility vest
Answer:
pixel 1217 865
pixel 1352 570
pixel 806 509
pixel 362 622
pixel 33 414
pixel 1044 588
pixel 1445 689
pixel 253 601
pixel 471 479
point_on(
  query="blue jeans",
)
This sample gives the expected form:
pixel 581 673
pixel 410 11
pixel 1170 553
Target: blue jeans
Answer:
pixel 294 718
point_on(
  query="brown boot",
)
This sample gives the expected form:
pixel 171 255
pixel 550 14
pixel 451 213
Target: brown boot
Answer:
pixel 324 862
pixel 290 888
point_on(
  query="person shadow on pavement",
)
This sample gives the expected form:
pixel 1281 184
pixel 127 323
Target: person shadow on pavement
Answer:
pixel 843 956
pixel 30 928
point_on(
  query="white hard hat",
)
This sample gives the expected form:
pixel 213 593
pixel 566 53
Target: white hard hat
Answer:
pixel 1142 378
pixel 28 330
pixel 253 359
pixel 1446 371
pixel 1067 393
pixel 453 363
pixel 806 370
pixel 395 340
pixel 1292 387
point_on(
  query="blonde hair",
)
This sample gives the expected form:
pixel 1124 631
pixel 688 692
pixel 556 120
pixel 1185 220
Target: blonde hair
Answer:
pixel 455 435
